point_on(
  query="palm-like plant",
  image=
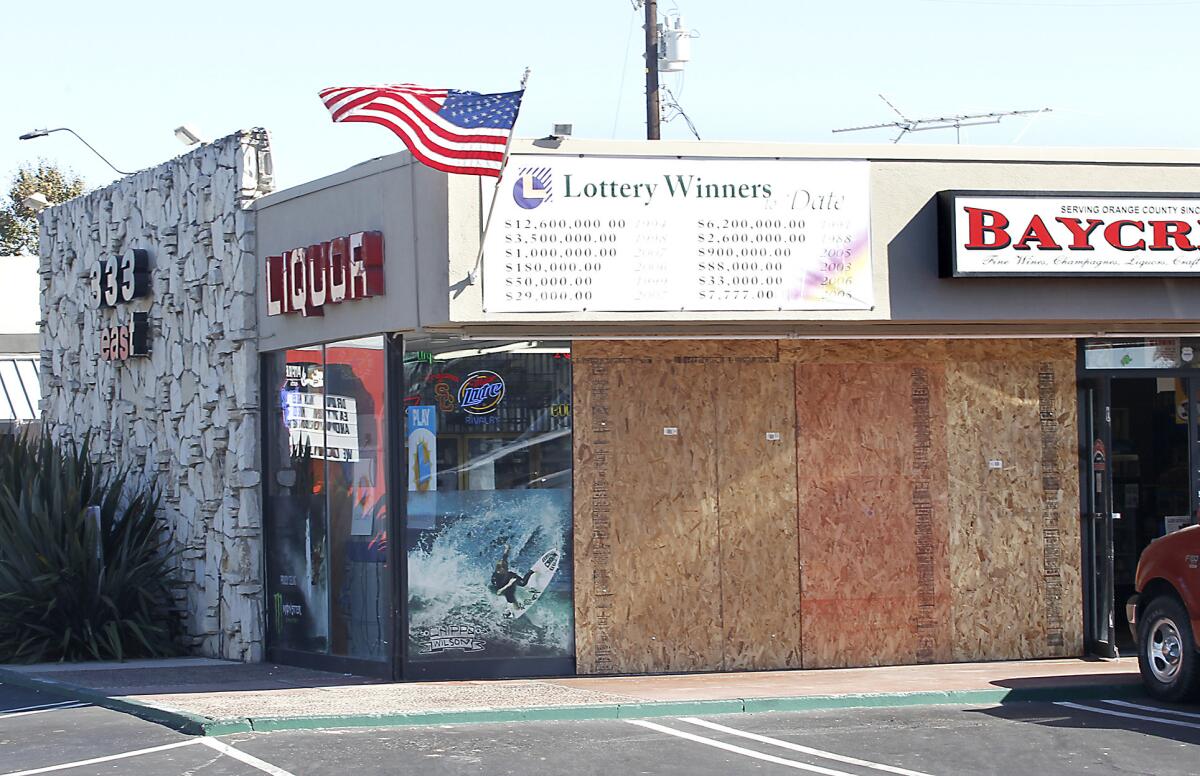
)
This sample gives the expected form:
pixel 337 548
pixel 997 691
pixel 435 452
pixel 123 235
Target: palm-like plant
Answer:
pixel 78 583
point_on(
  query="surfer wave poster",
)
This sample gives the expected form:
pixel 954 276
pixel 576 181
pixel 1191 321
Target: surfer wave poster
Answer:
pixel 492 577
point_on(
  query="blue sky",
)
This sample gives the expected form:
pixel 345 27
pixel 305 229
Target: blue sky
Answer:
pixel 124 74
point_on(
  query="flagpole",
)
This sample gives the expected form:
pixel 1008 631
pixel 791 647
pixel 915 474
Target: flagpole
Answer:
pixel 496 190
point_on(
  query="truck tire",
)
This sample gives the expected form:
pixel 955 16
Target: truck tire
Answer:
pixel 1167 653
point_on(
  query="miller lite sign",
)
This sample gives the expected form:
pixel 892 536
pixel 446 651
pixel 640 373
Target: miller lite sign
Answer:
pixel 481 393
pixel 304 280
pixel 1002 234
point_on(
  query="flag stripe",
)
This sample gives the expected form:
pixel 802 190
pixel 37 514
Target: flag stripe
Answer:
pixel 493 151
pixel 490 157
pixel 436 161
pixel 391 87
pixel 435 123
pixel 351 102
pixel 338 103
pixel 345 99
pixel 466 134
pixel 426 112
pixel 331 96
pixel 488 150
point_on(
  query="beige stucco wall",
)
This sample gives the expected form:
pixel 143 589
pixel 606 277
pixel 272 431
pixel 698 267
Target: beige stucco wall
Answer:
pixel 910 298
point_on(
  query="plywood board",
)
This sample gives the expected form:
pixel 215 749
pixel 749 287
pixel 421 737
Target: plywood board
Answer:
pixel 1062 613
pixel 683 564
pixel 684 350
pixel 997 550
pixel 1013 351
pixel 921 351
pixel 872 502
pixel 756 469
pixel 903 351
pixel 593 486
pixel 654 555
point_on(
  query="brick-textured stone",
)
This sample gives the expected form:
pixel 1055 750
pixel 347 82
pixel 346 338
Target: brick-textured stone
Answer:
pixel 168 416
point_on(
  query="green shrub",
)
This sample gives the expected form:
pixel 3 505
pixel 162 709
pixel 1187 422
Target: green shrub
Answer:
pixel 73 587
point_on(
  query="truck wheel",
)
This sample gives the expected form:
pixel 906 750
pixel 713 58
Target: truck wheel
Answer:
pixel 1167 653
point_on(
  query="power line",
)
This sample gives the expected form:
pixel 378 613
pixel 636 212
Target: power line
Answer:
pixel 624 68
pixel 672 104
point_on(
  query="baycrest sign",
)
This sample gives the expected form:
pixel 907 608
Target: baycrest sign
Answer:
pixel 1002 234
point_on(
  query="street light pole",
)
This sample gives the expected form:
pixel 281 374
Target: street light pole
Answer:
pixel 653 114
pixel 43 132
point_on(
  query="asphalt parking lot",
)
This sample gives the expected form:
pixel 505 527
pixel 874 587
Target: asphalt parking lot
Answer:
pixel 40 733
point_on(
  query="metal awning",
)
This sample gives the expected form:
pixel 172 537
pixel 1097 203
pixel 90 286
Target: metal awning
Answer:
pixel 20 388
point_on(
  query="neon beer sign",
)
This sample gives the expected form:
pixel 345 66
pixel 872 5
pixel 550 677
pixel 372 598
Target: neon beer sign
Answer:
pixel 481 393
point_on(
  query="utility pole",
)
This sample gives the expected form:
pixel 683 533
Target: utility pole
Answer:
pixel 653 115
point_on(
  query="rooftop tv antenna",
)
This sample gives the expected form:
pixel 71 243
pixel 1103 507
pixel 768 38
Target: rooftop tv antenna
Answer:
pixel 906 125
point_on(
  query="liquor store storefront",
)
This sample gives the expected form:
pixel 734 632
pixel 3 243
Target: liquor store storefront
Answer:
pixel 485 497
pixel 710 407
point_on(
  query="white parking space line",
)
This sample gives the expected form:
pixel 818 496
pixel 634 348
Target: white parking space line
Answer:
pixel 802 749
pixel 41 706
pixel 108 758
pixel 1144 717
pixel 44 709
pixel 736 749
pixel 248 759
pixel 1128 705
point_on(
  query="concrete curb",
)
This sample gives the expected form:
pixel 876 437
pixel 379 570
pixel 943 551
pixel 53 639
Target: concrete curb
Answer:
pixel 193 724
pixel 183 721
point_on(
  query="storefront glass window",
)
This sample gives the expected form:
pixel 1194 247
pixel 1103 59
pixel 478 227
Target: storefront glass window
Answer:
pixel 488 438
pixel 1158 353
pixel 297 550
pixel 355 460
pixel 326 500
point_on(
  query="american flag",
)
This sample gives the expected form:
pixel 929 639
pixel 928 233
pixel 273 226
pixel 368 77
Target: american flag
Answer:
pixel 449 130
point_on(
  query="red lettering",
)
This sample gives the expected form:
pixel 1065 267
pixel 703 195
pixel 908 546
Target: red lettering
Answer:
pixel 1037 232
pixel 1167 231
pixel 339 269
pixel 277 299
pixel 1112 233
pixel 1080 237
pixel 304 280
pixel 299 282
pixel 318 274
pixel 978 229
pixel 366 265
pixel 122 342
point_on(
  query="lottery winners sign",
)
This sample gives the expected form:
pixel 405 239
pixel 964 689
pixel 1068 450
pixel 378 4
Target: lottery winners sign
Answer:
pixel 613 235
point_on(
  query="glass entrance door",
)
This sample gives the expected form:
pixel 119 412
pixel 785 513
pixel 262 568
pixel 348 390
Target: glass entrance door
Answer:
pixel 1149 473
pixel 1095 441
pixel 1138 438
pixel 1140 466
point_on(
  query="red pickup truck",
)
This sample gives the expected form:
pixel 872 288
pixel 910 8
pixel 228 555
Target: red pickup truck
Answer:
pixel 1165 616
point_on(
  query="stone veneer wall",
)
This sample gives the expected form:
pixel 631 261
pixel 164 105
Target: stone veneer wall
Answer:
pixel 185 418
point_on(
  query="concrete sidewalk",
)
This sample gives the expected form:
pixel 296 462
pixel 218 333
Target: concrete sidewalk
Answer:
pixel 206 696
